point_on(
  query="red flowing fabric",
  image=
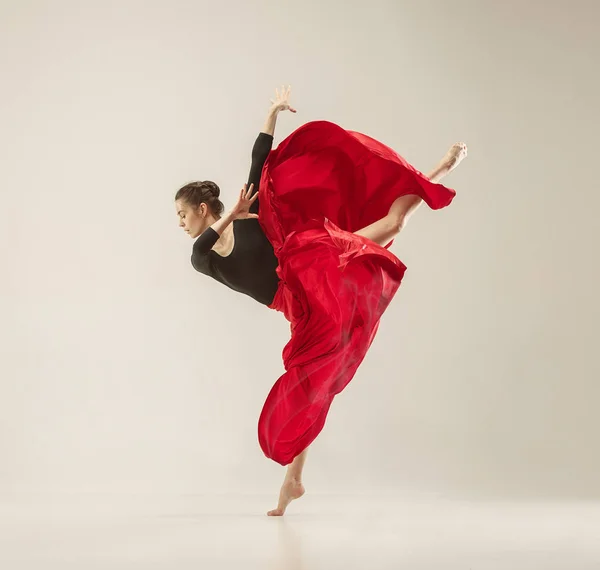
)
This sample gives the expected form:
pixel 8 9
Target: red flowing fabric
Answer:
pixel 319 186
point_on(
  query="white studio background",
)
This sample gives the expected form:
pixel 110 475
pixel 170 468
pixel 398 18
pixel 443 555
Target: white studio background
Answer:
pixel 125 371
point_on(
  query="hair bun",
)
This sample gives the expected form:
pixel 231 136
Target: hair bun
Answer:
pixel 212 188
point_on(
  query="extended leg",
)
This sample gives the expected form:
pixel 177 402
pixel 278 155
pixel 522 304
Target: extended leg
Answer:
pixel 386 229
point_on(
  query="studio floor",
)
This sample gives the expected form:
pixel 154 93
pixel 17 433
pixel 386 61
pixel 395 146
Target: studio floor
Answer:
pixel 319 533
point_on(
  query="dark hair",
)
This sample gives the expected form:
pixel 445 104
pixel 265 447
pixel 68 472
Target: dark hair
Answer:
pixel 196 193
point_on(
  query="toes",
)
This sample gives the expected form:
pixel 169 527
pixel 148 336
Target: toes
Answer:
pixel 461 149
pixel 275 513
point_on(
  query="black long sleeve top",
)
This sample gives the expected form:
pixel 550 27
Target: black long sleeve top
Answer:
pixel 251 266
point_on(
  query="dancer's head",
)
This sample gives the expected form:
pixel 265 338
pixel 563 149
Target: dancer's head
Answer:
pixel 198 206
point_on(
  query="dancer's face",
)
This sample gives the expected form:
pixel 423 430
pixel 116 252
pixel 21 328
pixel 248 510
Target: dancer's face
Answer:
pixel 193 220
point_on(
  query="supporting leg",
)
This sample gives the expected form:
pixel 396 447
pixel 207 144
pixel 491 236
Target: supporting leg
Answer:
pixel 292 487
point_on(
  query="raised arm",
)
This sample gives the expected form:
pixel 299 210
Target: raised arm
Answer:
pixel 280 103
pixel 264 142
pixel 247 206
pixel 260 151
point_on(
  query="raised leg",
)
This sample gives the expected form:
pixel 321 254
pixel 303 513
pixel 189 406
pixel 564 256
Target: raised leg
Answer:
pixel 292 487
pixel 381 232
pixel 386 229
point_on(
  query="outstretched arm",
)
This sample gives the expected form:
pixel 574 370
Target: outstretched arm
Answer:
pixel 270 122
pixel 280 103
pixel 264 142
pixel 260 152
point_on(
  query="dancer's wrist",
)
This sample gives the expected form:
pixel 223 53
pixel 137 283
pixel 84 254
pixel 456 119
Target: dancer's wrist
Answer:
pixel 224 221
pixel 270 121
pixel 230 216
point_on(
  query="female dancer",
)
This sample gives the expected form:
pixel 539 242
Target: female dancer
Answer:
pixel 308 236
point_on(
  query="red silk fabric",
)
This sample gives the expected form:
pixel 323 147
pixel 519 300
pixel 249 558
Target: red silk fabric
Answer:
pixel 319 186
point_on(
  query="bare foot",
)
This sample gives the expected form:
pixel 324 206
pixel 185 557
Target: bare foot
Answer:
pixel 290 490
pixel 454 157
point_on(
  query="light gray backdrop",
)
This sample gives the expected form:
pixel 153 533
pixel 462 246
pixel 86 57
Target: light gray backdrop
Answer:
pixel 123 370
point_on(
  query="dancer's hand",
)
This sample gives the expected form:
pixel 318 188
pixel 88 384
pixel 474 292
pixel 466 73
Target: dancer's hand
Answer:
pixel 241 211
pixel 282 100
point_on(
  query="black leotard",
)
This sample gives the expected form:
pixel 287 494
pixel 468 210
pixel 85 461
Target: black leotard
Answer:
pixel 250 267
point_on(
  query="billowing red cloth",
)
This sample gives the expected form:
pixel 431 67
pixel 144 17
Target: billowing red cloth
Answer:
pixel 318 187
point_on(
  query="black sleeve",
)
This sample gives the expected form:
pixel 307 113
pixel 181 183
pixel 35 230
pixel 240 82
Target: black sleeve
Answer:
pixel 204 243
pixel 260 152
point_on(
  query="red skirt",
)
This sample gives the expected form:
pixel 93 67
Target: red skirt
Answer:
pixel 319 186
